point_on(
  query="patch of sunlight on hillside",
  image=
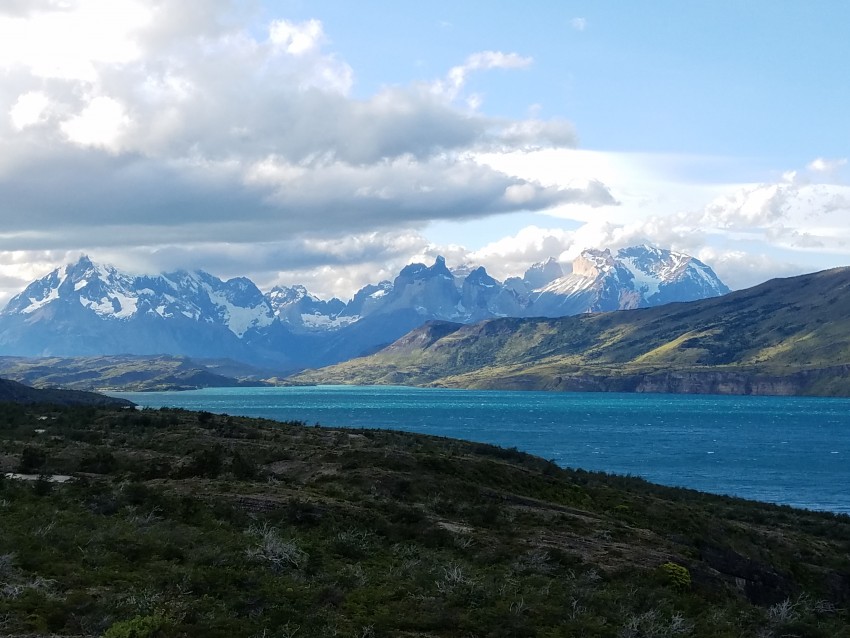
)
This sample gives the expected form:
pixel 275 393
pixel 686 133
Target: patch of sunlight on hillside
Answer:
pixel 672 351
pixel 783 349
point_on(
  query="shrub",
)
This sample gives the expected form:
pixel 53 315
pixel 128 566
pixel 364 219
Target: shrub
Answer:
pixel 137 627
pixel 676 575
pixel 100 462
pixel 273 549
pixel 32 458
pixel 205 417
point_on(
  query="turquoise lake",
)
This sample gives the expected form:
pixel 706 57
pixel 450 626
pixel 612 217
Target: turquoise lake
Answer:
pixel 789 450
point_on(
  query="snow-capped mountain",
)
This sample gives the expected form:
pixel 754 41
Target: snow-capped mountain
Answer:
pixel 664 276
pixel 298 308
pixel 88 309
pixel 236 304
pixel 430 291
pixel 635 277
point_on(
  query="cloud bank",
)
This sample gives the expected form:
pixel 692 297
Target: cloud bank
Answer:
pixel 163 134
pixel 142 123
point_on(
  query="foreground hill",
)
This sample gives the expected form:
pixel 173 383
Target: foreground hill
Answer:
pixel 14 392
pixel 129 373
pixel 786 336
pixel 191 524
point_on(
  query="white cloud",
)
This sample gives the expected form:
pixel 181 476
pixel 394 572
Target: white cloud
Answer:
pixel 533 134
pixel 29 109
pixel 787 205
pixel 296 38
pixel 512 255
pixel 739 268
pixel 200 125
pixel 70 40
pixel 100 123
pixel 483 60
pixel 191 131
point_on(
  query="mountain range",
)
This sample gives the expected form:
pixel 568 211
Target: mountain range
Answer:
pixel 786 336
pixel 90 309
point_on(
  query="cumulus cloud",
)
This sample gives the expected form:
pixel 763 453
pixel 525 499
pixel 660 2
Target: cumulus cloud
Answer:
pixel 147 123
pixel 739 268
pixel 165 134
pixel 296 39
pixel 579 24
pixel 749 233
pixel 100 123
pixel 170 134
pixel 512 255
pixel 69 41
pixel 792 212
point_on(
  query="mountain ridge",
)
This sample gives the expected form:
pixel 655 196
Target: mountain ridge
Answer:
pixel 786 336
pixel 88 309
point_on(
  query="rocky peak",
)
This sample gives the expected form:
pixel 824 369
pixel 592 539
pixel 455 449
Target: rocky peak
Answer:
pixel 282 295
pixel 593 263
pixel 419 271
pixel 479 277
pixel 542 273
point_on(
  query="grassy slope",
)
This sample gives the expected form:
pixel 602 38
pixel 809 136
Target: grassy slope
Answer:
pixel 202 525
pixel 791 335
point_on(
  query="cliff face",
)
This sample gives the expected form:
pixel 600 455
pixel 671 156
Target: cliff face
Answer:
pixel 829 381
pixel 719 383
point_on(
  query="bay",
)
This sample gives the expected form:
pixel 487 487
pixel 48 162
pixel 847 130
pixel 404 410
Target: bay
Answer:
pixel 788 450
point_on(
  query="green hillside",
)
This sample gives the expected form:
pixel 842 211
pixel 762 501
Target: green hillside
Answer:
pixel 786 336
pixel 190 524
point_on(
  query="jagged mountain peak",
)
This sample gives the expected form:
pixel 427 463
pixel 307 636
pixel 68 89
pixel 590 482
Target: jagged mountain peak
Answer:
pixel 543 273
pixel 419 271
pixel 82 266
pixel 110 294
pixel 480 277
pixel 89 308
pixel 84 269
pixel 288 294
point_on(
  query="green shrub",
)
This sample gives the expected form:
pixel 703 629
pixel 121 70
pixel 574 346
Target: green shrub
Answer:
pixel 138 627
pixel 676 575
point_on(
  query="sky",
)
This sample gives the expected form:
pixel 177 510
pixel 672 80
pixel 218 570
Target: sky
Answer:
pixel 329 143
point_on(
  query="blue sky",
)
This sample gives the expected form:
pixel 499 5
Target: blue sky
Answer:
pixel 329 143
pixel 748 79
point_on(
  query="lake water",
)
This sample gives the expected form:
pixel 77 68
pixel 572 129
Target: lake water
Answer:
pixel 779 449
